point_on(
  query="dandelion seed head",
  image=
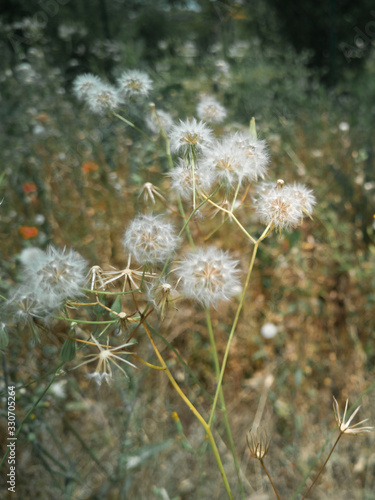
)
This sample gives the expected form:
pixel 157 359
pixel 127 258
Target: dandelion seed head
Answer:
pixel 268 330
pixel 149 239
pixel 304 196
pixel 209 276
pixel 210 110
pixel 134 83
pixel 84 84
pixel 190 136
pixel 182 180
pixel 255 156
pixel 103 98
pixel 56 276
pixel 224 160
pixel 280 208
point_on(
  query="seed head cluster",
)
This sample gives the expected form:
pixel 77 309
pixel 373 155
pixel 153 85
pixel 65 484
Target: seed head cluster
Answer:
pixel 190 136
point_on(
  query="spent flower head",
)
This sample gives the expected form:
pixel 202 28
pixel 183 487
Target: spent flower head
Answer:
pixel 105 357
pixel 149 239
pixel 258 443
pixel 345 426
pixel 134 83
pixel 209 276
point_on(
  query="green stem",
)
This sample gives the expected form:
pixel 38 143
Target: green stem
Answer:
pixel 220 381
pixel 222 400
pixel 133 126
pixel 30 411
pixel 194 411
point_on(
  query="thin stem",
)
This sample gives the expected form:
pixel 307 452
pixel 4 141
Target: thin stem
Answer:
pixel 222 399
pixel 235 195
pixel 195 411
pixel 322 468
pixel 269 477
pixel 220 381
pixel 134 126
pixel 234 218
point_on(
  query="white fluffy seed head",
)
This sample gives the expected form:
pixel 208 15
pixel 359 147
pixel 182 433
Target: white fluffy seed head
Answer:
pixel 134 83
pixel 254 153
pixel 149 239
pixel 304 196
pixel 182 180
pixel 84 84
pixel 103 98
pixel 209 276
pixel 278 206
pixel 210 110
pixel 224 160
pixel 162 119
pixel 190 137
pixel 268 330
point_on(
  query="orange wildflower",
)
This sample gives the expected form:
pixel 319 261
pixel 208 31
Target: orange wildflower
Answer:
pixel 89 166
pixel 28 232
pixel 29 187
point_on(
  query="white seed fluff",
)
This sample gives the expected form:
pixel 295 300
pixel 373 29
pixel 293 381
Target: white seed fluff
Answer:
pixel 278 206
pixel 210 110
pixel 163 120
pixel 190 136
pixel 304 196
pixel 209 276
pixel 182 180
pixel 83 84
pixel 149 239
pixel 134 83
pixel 268 330
pixel 103 98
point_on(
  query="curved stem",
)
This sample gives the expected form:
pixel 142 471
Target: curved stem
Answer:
pixel 269 477
pixel 195 411
pixel 220 381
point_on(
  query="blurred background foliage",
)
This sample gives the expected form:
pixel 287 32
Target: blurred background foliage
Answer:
pixel 305 71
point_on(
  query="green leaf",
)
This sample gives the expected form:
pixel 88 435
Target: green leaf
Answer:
pixel 68 350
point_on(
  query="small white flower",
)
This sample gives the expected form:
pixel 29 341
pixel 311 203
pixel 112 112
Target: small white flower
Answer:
pixel 103 98
pixel 83 84
pixel 209 276
pixel 268 330
pixel 134 83
pixel 182 180
pixel 149 239
pixel 189 136
pixel 210 110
